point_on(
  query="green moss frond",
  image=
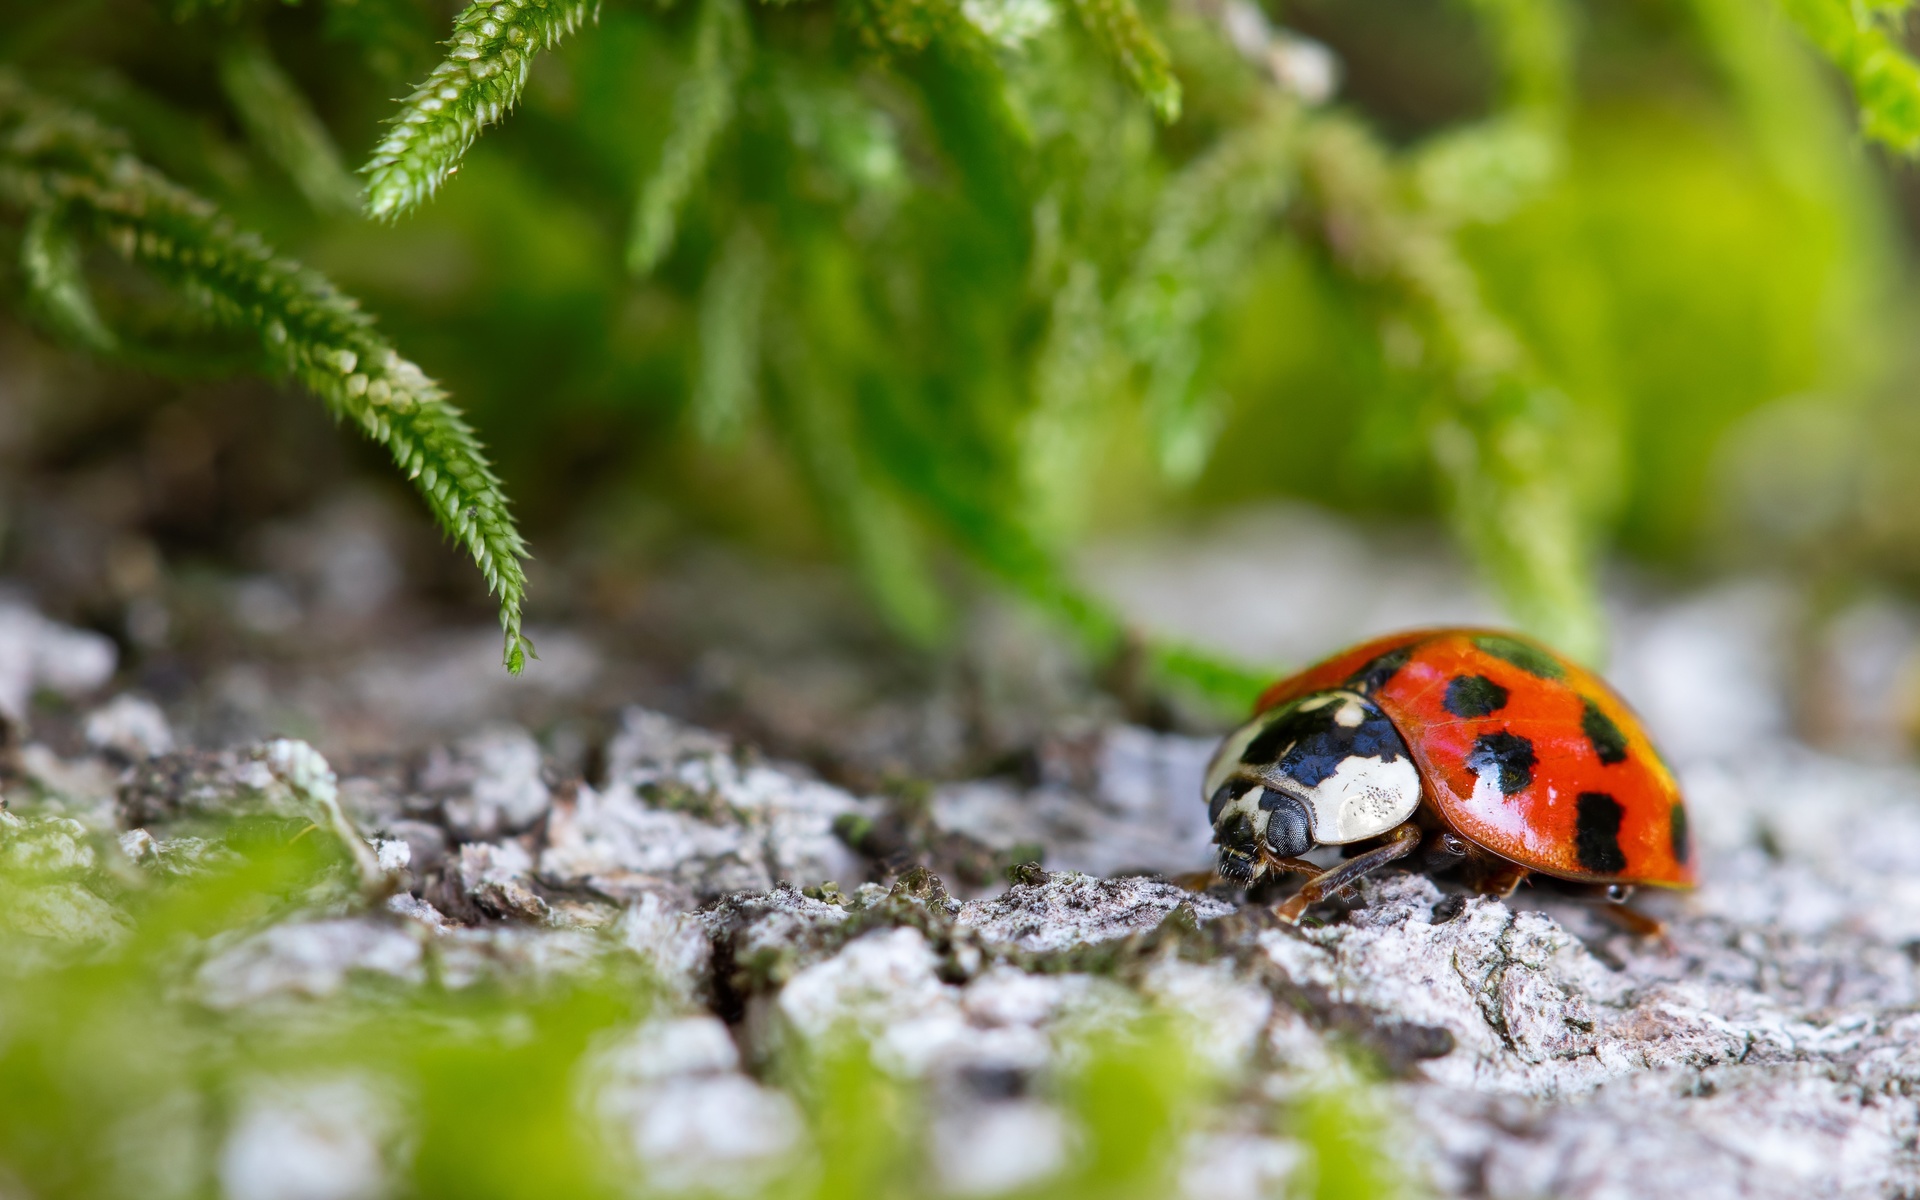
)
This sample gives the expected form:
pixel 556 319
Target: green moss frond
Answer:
pixel 1209 220
pixel 1501 436
pixel 886 545
pixel 1864 41
pixel 54 159
pixel 1123 35
pixel 475 86
pixel 1344 1130
pixel 731 305
pixel 701 112
pixel 50 264
pixel 282 124
pixel 1076 372
pixel 1533 43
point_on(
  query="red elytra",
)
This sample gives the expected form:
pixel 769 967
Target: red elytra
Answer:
pixel 1594 804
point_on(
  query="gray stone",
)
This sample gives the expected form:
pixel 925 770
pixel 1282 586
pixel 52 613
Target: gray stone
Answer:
pixel 37 653
pixel 682 815
pixel 1068 909
pixel 131 727
pixel 310 1139
pixel 490 782
pixel 674 1099
pixel 1117 800
pixel 1766 1047
pixel 674 944
pixel 308 959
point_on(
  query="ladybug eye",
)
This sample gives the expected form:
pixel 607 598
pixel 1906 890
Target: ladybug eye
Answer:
pixel 1289 824
pixel 1619 893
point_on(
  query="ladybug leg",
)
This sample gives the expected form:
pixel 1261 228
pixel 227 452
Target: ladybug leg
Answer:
pixel 1634 921
pixel 1500 878
pixel 1612 903
pixel 1401 842
pixel 1281 865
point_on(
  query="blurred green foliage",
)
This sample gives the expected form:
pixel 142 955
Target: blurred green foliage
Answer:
pixel 122 1075
pixel 950 284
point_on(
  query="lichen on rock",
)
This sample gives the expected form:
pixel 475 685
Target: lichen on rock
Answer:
pixel 749 912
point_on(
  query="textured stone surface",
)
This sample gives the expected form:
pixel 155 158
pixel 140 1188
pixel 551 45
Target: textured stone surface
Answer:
pixel 37 653
pixel 1766 1047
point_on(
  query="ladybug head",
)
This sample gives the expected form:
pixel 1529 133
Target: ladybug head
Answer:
pixel 1324 770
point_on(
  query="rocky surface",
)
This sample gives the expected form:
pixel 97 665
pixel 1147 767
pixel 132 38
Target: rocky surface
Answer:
pixel 973 930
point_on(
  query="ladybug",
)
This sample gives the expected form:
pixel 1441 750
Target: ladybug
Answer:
pixel 1487 750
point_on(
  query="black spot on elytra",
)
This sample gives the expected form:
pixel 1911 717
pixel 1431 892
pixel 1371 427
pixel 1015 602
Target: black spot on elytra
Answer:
pixel 1224 795
pixel 1474 696
pixel 1289 825
pixel 1596 833
pixel 1608 742
pixel 1531 659
pixel 1307 744
pixel 1507 753
pixel 1677 830
pixel 1374 676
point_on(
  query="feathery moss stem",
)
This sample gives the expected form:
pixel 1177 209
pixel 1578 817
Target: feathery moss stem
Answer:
pixel 54 159
pixel 475 86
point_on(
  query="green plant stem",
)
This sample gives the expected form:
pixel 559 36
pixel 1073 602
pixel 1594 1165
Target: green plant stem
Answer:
pixel 55 160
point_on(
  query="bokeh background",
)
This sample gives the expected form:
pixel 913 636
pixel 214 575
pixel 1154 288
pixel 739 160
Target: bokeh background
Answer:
pixel 929 312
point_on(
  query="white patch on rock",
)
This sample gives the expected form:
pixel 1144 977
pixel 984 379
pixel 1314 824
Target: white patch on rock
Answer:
pixel 311 1140
pixel 1143 808
pixel 1236 1166
pixel 669 1046
pixel 992 1149
pixel 310 959
pixel 1516 991
pixel 674 944
pixel 1224 1017
pixel 44 847
pixel 83 788
pixel 722 1133
pixel 49 860
pixel 499 877
pixel 672 1096
pixel 36 653
pixel 1071 909
pixel 1008 996
pixel 415 909
pixel 679 812
pixel 512 954
pixel 130 726
pixel 392 854
pixel 491 781
pixel 882 986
